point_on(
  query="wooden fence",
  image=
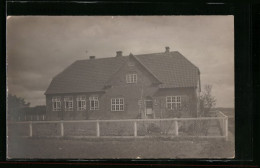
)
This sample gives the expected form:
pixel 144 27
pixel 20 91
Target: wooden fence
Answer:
pixel 167 127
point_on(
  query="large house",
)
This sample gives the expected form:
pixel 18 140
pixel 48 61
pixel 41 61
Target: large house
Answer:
pixel 157 85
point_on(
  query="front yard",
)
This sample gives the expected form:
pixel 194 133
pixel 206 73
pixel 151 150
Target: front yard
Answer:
pixel 57 148
pixel 108 148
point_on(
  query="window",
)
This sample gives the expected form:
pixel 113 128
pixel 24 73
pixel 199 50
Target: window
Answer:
pixel 68 101
pixel 56 104
pixel 94 104
pixel 81 103
pixel 117 104
pixel 131 78
pixel 173 102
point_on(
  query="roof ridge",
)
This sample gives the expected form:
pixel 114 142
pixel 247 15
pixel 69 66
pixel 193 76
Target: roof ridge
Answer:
pixel 102 58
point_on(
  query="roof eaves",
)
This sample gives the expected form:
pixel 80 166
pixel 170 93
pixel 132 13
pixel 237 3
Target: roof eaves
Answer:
pixel 94 91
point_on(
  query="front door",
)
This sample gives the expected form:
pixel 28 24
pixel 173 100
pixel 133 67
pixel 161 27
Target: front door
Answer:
pixel 149 109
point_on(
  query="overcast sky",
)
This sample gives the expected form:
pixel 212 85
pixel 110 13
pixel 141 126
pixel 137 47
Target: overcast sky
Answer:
pixel 39 47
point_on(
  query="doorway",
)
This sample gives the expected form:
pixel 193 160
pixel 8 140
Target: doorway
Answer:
pixel 149 108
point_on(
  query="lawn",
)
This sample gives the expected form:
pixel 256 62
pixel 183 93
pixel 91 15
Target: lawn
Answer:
pixel 60 148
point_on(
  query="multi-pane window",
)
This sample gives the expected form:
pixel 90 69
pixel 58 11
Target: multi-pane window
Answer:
pixel 94 104
pixel 173 102
pixel 81 103
pixel 131 78
pixel 56 104
pixel 68 102
pixel 117 104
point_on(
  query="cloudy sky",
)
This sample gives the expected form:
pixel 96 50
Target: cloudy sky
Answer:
pixel 39 47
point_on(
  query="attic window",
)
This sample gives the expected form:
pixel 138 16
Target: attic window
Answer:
pixel 56 104
pixel 131 78
pixel 94 103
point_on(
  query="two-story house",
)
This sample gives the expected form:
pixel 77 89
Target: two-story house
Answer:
pixel 157 85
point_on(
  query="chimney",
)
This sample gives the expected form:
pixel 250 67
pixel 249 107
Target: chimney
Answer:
pixel 167 49
pixel 119 54
pixel 91 57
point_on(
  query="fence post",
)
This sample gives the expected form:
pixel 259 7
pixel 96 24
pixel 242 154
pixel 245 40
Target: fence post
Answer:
pixel 98 131
pixel 135 129
pixel 30 129
pixel 61 129
pixel 176 127
pixel 226 128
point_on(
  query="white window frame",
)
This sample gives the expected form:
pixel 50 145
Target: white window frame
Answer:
pixel 81 103
pixel 131 78
pixel 117 104
pixel 68 103
pixel 56 103
pixel 173 102
pixel 95 101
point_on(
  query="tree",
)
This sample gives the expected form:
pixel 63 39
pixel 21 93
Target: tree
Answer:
pixel 207 101
pixel 15 106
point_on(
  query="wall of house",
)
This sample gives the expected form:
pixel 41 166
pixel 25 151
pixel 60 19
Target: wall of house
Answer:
pixel 145 87
pixel 131 92
pixel 188 103
pixel 69 115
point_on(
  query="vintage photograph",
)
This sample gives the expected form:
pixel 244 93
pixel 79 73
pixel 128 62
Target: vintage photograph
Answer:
pixel 120 87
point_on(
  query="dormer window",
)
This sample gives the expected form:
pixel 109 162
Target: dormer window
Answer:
pixel 131 78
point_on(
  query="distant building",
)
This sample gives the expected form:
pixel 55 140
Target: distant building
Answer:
pixel 157 85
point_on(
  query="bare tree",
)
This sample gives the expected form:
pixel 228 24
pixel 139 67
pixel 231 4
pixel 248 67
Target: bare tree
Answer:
pixel 207 101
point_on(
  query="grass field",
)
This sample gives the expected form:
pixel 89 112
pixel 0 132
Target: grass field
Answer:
pixel 55 148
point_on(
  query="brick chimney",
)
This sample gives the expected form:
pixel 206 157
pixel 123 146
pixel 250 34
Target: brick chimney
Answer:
pixel 119 54
pixel 167 49
pixel 92 57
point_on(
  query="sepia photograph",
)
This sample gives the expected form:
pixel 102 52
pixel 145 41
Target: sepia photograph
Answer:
pixel 120 87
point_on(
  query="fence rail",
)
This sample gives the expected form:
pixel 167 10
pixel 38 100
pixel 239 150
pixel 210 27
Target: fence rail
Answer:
pixel 203 127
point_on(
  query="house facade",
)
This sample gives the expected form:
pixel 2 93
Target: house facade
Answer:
pixel 158 85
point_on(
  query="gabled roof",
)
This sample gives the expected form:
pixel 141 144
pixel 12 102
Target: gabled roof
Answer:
pixel 85 76
pixel 171 69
